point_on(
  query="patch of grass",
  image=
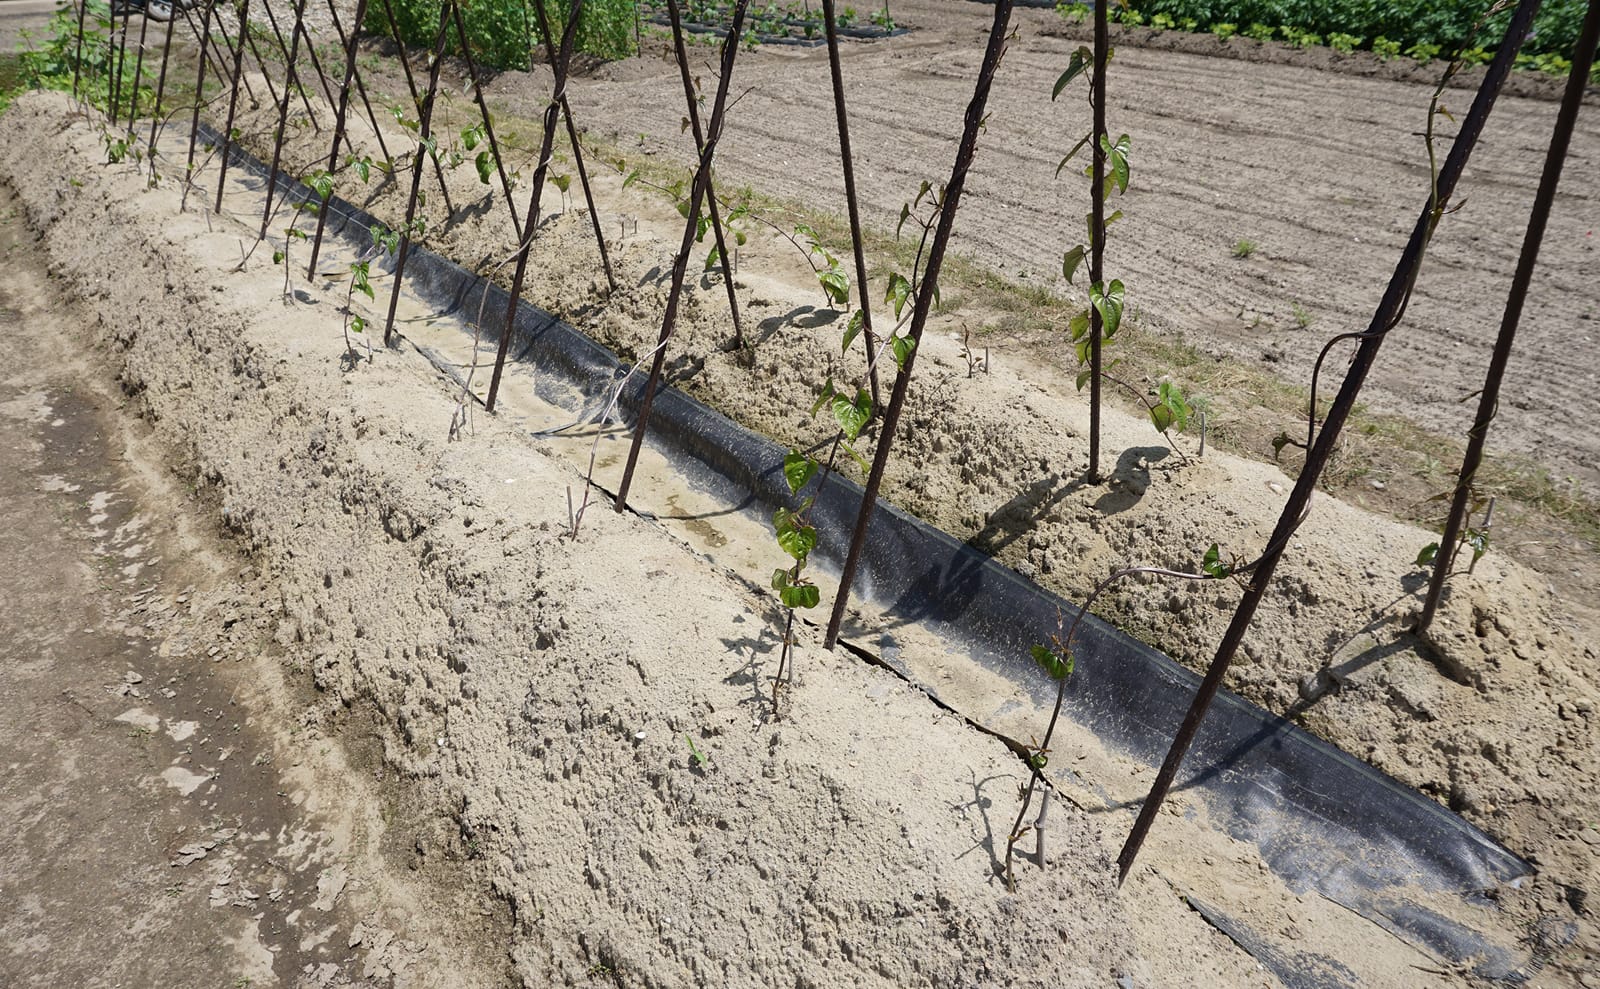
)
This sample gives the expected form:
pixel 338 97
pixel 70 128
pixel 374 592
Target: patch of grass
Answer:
pixel 1244 248
pixel 11 82
pixel 1302 316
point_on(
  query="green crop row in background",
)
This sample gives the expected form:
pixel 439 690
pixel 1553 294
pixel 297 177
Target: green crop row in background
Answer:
pixel 1422 28
pixel 502 32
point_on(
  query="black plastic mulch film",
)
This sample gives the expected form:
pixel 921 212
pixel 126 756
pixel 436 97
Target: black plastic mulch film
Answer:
pixel 1322 820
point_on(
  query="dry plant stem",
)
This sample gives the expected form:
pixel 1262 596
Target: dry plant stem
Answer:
pixel 1489 398
pixel 194 120
pixel 1097 247
pixel 283 116
pixel 122 57
pixel 535 195
pixel 702 183
pixel 847 165
pixel 488 122
pixel 1039 827
pixel 290 53
pixel 588 193
pixel 233 100
pixel 1317 457
pixel 338 132
pixel 77 57
pixel 594 448
pixel 723 256
pixel 138 74
pixel 924 303
pixel 349 41
pixel 424 130
pixel 577 159
pixel 161 91
pixel 416 98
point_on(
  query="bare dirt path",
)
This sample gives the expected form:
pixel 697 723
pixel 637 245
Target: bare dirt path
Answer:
pixel 19 15
pixel 1322 171
pixel 171 816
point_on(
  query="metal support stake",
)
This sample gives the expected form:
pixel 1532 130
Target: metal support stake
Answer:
pixel 290 83
pixel 338 132
pixel 1388 314
pixel 233 99
pixel 424 123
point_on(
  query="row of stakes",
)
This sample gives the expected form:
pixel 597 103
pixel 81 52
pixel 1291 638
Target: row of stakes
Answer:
pixel 224 56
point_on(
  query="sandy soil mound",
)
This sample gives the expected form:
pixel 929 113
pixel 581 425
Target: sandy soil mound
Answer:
pixel 1496 719
pixel 555 693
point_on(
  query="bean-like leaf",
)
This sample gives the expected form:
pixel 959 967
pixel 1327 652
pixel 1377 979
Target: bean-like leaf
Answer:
pixel 1428 553
pixel 852 417
pixel 899 292
pixel 798 542
pixel 360 274
pixel 1070 262
pixel 828 391
pixel 1171 398
pixel 1053 663
pixel 1117 159
pixel 836 285
pixel 1082 142
pixel 797 470
pixel 793 594
pixel 800 596
pixel 857 322
pixel 1081 59
pixel 903 346
pixel 484 162
pixel 1212 563
pixel 1109 304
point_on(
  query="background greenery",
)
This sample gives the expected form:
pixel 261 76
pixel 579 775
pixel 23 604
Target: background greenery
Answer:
pixel 502 32
pixel 1411 22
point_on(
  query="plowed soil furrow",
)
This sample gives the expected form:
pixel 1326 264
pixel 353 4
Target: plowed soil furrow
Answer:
pixel 1323 171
